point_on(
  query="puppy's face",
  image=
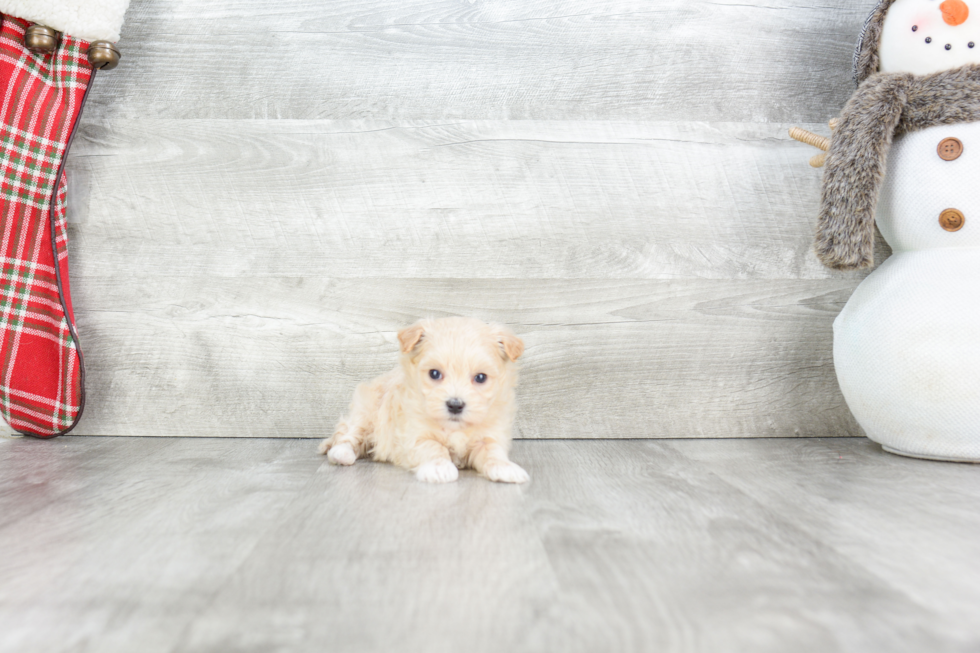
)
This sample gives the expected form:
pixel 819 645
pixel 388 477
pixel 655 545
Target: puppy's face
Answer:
pixel 462 368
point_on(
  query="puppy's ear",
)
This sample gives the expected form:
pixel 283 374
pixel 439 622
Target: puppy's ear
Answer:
pixel 511 346
pixel 409 337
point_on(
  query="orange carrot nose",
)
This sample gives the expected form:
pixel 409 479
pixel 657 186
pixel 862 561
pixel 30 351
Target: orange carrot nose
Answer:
pixel 955 12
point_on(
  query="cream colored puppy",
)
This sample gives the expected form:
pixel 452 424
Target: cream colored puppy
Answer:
pixel 448 406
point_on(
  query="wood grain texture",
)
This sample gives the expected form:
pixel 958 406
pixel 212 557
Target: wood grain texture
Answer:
pixel 263 193
pixel 240 278
pixel 272 356
pixel 487 200
pixel 178 545
pixel 932 575
pixel 485 59
pixel 765 566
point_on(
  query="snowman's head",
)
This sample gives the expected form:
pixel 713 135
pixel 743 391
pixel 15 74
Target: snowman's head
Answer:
pixel 919 37
pixel 926 36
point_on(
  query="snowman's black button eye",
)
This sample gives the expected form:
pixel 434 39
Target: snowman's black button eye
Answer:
pixel 949 47
pixel 435 375
pixel 915 28
pixel 928 39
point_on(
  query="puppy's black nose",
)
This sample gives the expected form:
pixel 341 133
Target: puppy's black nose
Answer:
pixel 455 405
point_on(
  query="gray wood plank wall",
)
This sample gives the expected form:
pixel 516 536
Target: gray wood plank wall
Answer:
pixel 264 192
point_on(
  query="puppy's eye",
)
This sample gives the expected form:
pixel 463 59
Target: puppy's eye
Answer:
pixel 480 378
pixel 435 375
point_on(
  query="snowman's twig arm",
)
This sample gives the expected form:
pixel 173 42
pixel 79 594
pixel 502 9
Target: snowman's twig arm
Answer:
pixel 808 137
pixel 816 140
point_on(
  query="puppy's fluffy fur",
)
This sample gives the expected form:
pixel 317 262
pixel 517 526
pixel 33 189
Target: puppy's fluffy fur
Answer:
pixel 449 405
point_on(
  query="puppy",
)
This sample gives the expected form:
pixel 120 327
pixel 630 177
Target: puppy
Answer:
pixel 449 405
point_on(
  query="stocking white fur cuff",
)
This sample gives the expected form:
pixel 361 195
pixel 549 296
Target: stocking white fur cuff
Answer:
pixel 89 20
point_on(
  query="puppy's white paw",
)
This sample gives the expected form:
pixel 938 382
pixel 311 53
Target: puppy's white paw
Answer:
pixel 437 471
pixel 507 472
pixel 342 454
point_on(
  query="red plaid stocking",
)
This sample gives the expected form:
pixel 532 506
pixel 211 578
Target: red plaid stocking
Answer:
pixel 41 97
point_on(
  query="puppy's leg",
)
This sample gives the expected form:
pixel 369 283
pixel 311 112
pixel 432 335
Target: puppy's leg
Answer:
pixel 345 446
pixel 349 441
pixel 490 459
pixel 432 463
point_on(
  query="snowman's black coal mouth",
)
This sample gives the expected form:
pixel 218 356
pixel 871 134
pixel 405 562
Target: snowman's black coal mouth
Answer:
pixel 948 46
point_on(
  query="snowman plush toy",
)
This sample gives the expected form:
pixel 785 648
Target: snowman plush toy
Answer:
pixel 905 156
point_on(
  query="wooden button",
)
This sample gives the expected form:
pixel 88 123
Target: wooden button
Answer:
pixel 950 149
pixel 952 220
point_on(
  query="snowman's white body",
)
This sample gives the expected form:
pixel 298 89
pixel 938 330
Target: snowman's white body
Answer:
pixel 907 344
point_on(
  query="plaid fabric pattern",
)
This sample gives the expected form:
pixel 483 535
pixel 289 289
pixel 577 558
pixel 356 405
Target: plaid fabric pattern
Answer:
pixel 41 96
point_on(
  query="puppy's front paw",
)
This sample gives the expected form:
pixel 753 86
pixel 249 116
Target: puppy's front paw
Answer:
pixel 342 454
pixel 437 471
pixel 507 472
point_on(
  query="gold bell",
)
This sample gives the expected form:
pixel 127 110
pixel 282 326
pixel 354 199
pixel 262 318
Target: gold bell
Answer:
pixel 40 39
pixel 103 55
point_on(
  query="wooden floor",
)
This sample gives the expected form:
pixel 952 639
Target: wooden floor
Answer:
pixel 176 544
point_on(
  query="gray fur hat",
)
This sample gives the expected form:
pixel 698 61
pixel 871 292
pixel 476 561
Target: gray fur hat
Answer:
pixel 866 54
